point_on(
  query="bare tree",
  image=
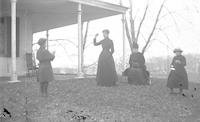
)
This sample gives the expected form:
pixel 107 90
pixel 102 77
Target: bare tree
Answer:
pixel 84 41
pixel 134 33
pixel 85 36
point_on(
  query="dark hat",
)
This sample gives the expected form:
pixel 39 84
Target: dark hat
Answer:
pixel 177 50
pixel 41 41
pixel 106 30
pixel 135 45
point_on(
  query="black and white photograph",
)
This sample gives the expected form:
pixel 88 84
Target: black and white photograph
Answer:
pixel 99 60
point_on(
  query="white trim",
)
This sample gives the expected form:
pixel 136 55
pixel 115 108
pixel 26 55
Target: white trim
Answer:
pixel 100 4
pixel 14 81
pixel 124 42
pixel 47 36
pixel 80 44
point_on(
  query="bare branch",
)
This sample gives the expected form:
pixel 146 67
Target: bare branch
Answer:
pixel 166 36
pixel 61 45
pixel 149 45
pixel 90 65
pixel 169 13
pixel 164 27
pixel 132 21
pixel 128 35
pixel 141 22
pixel 164 44
pixel 187 21
pixel 131 4
pixel 196 7
pixel 136 14
pixel 67 41
pixel 154 27
pixel 143 37
pixel 86 34
pixel 86 46
pixel 173 18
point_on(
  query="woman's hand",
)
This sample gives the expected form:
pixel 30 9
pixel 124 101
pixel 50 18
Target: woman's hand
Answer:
pixel 172 67
pixel 178 61
pixel 54 52
pixel 94 40
pixel 96 35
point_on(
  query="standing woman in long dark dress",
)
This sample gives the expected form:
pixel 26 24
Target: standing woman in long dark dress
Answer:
pixel 178 76
pixel 106 72
pixel 45 68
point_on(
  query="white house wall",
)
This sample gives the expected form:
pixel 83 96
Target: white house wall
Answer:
pixel 25 41
pixel 25 45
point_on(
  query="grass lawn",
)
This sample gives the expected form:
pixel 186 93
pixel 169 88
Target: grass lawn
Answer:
pixel 82 98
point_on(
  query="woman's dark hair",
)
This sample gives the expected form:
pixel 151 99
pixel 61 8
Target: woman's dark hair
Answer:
pixel 106 30
pixel 135 45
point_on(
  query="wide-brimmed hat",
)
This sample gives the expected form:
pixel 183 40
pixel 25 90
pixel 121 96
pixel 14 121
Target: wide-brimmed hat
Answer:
pixel 177 50
pixel 41 41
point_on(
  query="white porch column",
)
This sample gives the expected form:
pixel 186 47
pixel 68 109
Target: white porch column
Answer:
pixel 124 42
pixel 47 36
pixel 13 40
pixel 123 38
pixel 80 44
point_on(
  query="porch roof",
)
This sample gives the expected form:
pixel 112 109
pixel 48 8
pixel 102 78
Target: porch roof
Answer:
pixel 49 14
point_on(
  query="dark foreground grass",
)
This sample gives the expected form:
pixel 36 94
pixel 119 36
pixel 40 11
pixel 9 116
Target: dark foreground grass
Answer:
pixel 72 100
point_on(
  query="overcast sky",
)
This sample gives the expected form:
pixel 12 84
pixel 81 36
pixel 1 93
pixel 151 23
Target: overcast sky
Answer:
pixel 182 28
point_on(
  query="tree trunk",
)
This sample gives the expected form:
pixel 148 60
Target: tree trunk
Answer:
pixel 84 44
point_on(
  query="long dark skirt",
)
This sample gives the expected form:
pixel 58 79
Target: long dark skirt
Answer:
pixel 137 76
pixel 106 72
pixel 45 73
pixel 178 79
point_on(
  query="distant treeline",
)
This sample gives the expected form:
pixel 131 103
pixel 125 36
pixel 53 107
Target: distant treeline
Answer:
pixel 159 66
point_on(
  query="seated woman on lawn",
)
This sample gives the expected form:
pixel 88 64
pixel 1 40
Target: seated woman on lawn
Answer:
pixel 137 73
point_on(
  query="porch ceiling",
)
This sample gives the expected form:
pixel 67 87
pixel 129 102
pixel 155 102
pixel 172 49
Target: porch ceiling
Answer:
pixel 49 14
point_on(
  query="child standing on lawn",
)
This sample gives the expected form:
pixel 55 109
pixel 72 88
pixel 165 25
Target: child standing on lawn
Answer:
pixel 45 68
pixel 178 76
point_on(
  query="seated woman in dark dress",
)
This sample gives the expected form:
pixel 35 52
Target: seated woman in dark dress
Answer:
pixel 137 73
pixel 178 76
